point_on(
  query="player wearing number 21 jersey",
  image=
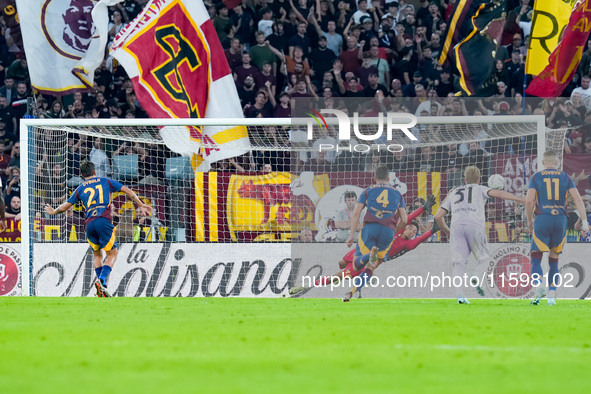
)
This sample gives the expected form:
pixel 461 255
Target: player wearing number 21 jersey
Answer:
pixel 95 196
pixel 547 194
pixel 467 204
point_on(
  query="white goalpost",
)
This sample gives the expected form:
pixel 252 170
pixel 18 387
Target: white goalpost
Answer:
pixel 237 229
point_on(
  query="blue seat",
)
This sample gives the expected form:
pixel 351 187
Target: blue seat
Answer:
pixel 125 168
pixel 179 168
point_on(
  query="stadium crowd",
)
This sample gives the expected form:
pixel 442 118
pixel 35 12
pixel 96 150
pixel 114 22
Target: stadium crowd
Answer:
pixel 382 51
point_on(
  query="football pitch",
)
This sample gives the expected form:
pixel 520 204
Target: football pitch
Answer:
pixel 215 345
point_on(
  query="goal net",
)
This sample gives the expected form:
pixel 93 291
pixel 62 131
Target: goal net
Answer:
pixel 252 224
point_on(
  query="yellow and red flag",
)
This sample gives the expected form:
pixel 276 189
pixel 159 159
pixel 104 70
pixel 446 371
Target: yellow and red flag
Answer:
pixel 172 54
pixel 565 58
pixel 548 22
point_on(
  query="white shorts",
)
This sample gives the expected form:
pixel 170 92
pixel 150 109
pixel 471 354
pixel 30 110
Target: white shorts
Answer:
pixel 466 239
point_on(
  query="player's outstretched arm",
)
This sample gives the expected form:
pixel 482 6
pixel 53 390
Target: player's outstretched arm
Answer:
pixel 61 209
pixel 581 208
pixel 144 209
pixel 356 215
pixel 403 219
pixel 440 221
pixel 530 205
pixel 505 195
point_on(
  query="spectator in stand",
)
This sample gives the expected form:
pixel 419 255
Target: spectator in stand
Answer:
pixel 13 208
pixel 13 187
pixel 380 64
pixel 584 91
pixel 6 138
pixel 15 155
pixel 244 70
pixel 444 85
pixel 279 38
pixel 325 139
pixel 303 89
pixel 264 76
pixel 334 41
pixel 402 69
pixel 361 11
pixel 266 24
pixel 452 164
pixel 19 71
pixel 56 111
pixel 291 62
pixel 283 110
pixel 116 25
pixel 587 145
pixel 7 115
pixel 477 157
pixel 351 57
pixel 417 79
pixel 584 66
pixel 247 92
pixel 234 53
pixel 5 160
pixel 221 20
pixel 99 157
pixel 261 53
pixel 428 161
pixel 76 110
pixel 321 58
pixel 575 143
pixel 319 163
pixel 300 40
pixel 373 86
pixel 242 23
pixel 365 69
pixel 263 104
pixel 8 90
pixel 19 103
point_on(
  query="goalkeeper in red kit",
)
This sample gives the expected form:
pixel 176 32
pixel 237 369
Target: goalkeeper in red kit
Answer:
pixel 404 241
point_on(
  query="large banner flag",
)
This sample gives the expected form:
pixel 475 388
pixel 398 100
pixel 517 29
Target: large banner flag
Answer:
pixel 548 22
pixel 470 41
pixel 172 54
pixel 65 41
pixel 565 58
pixel 8 12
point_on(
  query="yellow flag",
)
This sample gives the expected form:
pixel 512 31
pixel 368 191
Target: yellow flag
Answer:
pixel 548 22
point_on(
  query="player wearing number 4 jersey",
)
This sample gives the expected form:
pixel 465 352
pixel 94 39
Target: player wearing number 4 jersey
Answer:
pixel 547 194
pixel 95 195
pixel 467 205
pixel 383 202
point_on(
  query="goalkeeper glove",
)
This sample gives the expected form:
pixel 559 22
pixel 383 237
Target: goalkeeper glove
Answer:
pixel 435 227
pixel 584 225
pixel 429 203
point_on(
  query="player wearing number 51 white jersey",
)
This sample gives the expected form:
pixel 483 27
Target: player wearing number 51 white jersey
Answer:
pixel 467 205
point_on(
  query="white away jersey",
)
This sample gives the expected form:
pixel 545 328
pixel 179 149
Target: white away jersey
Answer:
pixel 467 204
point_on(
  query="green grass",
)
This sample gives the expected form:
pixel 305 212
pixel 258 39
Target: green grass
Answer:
pixel 212 345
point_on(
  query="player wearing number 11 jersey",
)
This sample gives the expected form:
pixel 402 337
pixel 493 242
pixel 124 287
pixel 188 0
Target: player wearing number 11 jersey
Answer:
pixel 95 195
pixel 547 194
pixel 467 205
